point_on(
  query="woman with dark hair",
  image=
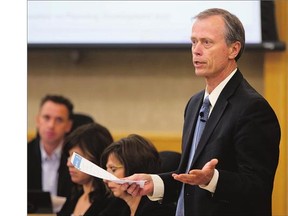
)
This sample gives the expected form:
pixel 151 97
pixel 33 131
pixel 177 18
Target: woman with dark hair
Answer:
pixel 89 196
pixel 134 154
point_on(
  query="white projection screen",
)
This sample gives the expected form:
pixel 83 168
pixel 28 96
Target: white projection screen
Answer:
pixel 126 23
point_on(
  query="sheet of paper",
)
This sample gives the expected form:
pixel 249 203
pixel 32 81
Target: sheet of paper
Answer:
pixel 90 168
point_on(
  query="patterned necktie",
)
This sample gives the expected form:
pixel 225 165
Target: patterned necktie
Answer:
pixel 202 119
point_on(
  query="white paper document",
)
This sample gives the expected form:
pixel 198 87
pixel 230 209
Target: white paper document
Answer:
pixel 90 168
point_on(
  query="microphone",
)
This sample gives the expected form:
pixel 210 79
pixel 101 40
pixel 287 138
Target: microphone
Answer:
pixel 202 117
pixel 201 114
pixel 204 111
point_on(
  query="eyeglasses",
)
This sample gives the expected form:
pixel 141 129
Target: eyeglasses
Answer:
pixel 113 169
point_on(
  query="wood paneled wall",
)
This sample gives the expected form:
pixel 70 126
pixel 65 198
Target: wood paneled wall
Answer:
pixel 276 92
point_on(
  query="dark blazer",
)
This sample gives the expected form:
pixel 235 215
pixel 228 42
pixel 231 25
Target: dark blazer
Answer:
pixel 104 206
pixel 153 208
pixel 243 133
pixel 34 178
pixel 147 207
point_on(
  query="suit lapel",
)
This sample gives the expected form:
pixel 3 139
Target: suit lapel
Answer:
pixel 191 117
pixel 209 128
pixel 217 112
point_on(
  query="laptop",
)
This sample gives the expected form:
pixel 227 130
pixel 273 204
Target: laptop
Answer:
pixel 39 202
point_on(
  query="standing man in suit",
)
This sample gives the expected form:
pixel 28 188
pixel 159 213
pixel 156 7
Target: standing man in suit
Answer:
pixel 233 167
pixel 47 170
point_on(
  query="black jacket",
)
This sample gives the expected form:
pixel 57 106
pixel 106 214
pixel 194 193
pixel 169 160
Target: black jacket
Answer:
pixel 34 177
pixel 104 206
pixel 147 207
pixel 243 133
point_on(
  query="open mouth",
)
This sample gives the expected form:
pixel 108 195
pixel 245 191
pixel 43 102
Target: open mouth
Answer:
pixel 198 63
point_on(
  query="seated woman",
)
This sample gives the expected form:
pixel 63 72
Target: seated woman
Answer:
pixel 90 196
pixel 130 155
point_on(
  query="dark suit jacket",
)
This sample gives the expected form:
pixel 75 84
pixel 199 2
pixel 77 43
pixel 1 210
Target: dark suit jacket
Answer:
pixel 147 207
pixel 112 206
pixel 35 170
pixel 243 133
pixel 104 206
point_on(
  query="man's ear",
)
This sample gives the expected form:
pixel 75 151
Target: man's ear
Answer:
pixel 69 125
pixel 234 49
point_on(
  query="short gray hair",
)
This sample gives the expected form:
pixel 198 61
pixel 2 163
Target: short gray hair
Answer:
pixel 234 28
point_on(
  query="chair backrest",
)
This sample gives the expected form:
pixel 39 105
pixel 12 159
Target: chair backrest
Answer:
pixel 169 160
pixel 80 119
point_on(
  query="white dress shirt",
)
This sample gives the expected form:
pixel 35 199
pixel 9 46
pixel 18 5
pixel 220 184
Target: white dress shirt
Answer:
pixel 50 166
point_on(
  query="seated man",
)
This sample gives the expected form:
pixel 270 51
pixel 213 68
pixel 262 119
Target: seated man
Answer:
pixel 47 170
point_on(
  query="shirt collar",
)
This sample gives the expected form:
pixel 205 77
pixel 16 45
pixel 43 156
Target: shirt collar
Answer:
pixel 56 153
pixel 217 91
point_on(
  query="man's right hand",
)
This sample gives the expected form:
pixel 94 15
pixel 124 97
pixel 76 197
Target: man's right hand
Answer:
pixel 135 190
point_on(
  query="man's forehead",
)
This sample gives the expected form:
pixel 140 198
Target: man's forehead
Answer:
pixel 54 108
pixel 208 26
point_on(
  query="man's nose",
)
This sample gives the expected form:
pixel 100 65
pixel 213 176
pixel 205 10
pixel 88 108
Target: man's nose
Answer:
pixel 51 123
